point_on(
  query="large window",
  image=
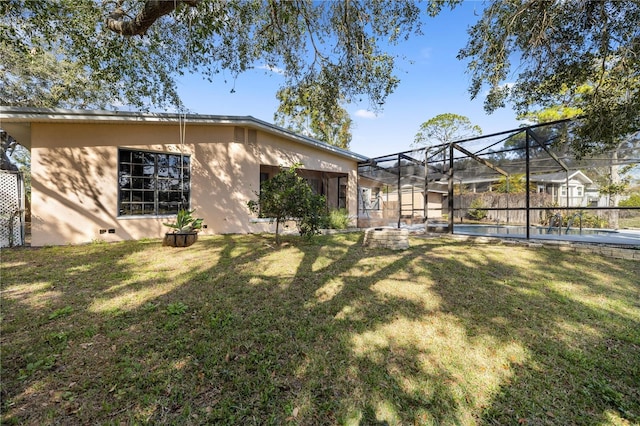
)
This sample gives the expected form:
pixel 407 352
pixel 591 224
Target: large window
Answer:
pixel 152 183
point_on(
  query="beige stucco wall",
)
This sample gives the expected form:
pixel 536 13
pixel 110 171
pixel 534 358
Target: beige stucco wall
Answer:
pixel 75 187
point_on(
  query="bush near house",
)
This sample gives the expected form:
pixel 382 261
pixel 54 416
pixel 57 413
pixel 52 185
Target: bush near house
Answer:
pixel 632 201
pixel 476 211
pixel 338 219
pixel 630 218
pixel 287 196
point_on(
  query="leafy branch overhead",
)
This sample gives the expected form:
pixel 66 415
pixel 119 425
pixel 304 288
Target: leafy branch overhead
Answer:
pixel 531 53
pixel 135 50
pixel 524 53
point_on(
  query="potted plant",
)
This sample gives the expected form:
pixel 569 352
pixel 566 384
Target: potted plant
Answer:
pixel 185 229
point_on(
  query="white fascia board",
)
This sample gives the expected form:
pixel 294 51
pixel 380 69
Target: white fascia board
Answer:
pixel 43 115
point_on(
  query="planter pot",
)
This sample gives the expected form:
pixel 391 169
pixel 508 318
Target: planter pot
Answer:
pixel 180 239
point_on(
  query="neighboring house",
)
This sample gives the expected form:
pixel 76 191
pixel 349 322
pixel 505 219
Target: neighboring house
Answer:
pixel 101 175
pixel 567 189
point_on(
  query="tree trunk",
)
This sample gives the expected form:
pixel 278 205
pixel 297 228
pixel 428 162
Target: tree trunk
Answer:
pixel 278 231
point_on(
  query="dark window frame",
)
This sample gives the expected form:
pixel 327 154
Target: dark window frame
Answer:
pixel 152 183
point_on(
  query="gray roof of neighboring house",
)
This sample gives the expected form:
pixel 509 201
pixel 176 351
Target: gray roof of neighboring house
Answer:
pixel 561 177
pixel 17 120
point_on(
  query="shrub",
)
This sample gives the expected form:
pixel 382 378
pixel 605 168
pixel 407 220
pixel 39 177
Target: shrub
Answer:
pixel 312 214
pixel 185 222
pixel 287 196
pixel 632 201
pixel 338 219
pixel 475 210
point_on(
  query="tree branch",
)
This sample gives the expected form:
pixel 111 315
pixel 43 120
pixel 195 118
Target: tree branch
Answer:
pixel 152 11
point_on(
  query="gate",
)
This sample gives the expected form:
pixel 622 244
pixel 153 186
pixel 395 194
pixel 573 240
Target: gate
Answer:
pixel 11 209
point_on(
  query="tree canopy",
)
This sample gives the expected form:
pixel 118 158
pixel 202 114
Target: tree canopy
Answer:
pixel 560 46
pixel 94 53
pixel 134 50
pixel 445 128
pixel 304 111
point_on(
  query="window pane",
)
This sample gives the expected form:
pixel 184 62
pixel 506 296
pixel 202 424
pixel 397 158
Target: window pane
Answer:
pixel 125 209
pixel 135 209
pixel 125 182
pixel 149 159
pixel 152 183
pixel 137 157
pixel 137 183
pixel 164 208
pixel 124 156
pixel 137 170
pixel 149 170
pixel 163 185
pixel 163 165
pixel 168 208
pixel 174 172
pixel 149 209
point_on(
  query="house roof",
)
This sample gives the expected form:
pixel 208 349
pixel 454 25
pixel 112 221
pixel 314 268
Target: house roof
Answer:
pixel 561 177
pixel 16 121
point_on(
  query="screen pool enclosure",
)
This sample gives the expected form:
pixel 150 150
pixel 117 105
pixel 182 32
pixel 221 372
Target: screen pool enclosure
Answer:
pixel 525 182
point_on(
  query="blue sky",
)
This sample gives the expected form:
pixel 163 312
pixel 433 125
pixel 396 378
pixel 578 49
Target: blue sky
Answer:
pixel 432 82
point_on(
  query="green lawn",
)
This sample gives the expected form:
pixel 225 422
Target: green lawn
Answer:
pixel 234 331
pixel 630 222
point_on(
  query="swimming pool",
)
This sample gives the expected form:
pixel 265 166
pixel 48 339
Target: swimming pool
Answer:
pixel 587 235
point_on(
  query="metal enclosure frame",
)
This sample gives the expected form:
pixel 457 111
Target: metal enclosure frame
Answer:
pixel 530 172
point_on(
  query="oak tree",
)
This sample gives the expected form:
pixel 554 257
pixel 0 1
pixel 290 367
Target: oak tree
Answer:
pixel 134 50
pixel 528 52
pixel 445 128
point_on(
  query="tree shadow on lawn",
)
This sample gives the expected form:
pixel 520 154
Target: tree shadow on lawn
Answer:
pixel 327 332
pixel 577 317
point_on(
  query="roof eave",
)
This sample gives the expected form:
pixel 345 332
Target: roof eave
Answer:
pixel 31 115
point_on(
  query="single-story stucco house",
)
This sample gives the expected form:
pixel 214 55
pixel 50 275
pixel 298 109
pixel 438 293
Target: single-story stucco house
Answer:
pixel 112 176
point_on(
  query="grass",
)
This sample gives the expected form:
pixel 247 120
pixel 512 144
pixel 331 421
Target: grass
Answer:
pixel 234 331
pixel 630 222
